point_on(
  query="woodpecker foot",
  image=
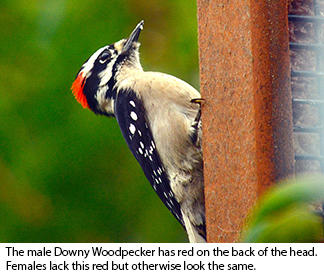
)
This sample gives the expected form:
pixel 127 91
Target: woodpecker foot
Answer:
pixel 197 100
pixel 195 125
pixel 198 116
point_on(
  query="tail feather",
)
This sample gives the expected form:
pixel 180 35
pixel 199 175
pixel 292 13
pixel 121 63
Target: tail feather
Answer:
pixel 196 234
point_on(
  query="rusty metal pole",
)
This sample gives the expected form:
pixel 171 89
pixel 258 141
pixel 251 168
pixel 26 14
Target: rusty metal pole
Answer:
pixel 247 114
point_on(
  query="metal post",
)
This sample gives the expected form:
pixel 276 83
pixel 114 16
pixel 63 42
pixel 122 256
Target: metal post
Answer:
pixel 247 114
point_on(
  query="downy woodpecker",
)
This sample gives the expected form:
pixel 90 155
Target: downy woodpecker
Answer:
pixel 159 117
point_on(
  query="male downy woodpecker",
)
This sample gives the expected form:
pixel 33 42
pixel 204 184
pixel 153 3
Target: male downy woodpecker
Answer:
pixel 159 117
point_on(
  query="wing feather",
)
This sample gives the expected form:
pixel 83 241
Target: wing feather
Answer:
pixel 132 120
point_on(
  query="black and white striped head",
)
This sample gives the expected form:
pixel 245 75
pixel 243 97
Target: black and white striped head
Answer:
pixel 94 84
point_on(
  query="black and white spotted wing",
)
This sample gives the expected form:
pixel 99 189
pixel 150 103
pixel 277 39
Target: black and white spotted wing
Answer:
pixel 131 117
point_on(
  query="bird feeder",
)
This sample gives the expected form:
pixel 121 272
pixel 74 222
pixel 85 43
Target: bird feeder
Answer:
pixel 261 74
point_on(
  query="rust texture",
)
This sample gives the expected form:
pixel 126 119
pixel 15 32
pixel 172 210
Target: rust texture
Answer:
pixel 247 117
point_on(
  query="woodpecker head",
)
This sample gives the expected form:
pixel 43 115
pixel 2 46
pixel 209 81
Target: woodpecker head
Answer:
pixel 94 85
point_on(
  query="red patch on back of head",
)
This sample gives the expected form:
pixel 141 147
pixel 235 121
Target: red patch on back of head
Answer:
pixel 77 89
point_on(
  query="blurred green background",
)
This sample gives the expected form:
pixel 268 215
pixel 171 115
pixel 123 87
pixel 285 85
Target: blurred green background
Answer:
pixel 66 175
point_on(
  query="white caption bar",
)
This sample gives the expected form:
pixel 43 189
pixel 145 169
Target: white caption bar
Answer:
pixel 160 258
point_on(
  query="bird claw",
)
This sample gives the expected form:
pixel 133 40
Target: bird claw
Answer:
pixel 197 100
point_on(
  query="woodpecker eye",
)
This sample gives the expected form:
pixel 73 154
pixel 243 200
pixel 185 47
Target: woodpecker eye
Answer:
pixel 104 57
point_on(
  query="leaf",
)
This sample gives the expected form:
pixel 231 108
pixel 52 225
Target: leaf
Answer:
pixel 284 213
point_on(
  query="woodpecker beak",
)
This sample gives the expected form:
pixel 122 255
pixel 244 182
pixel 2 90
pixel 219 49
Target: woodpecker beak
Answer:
pixel 133 37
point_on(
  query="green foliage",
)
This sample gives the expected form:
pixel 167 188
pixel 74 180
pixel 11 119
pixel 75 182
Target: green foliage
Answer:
pixel 284 214
pixel 66 175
